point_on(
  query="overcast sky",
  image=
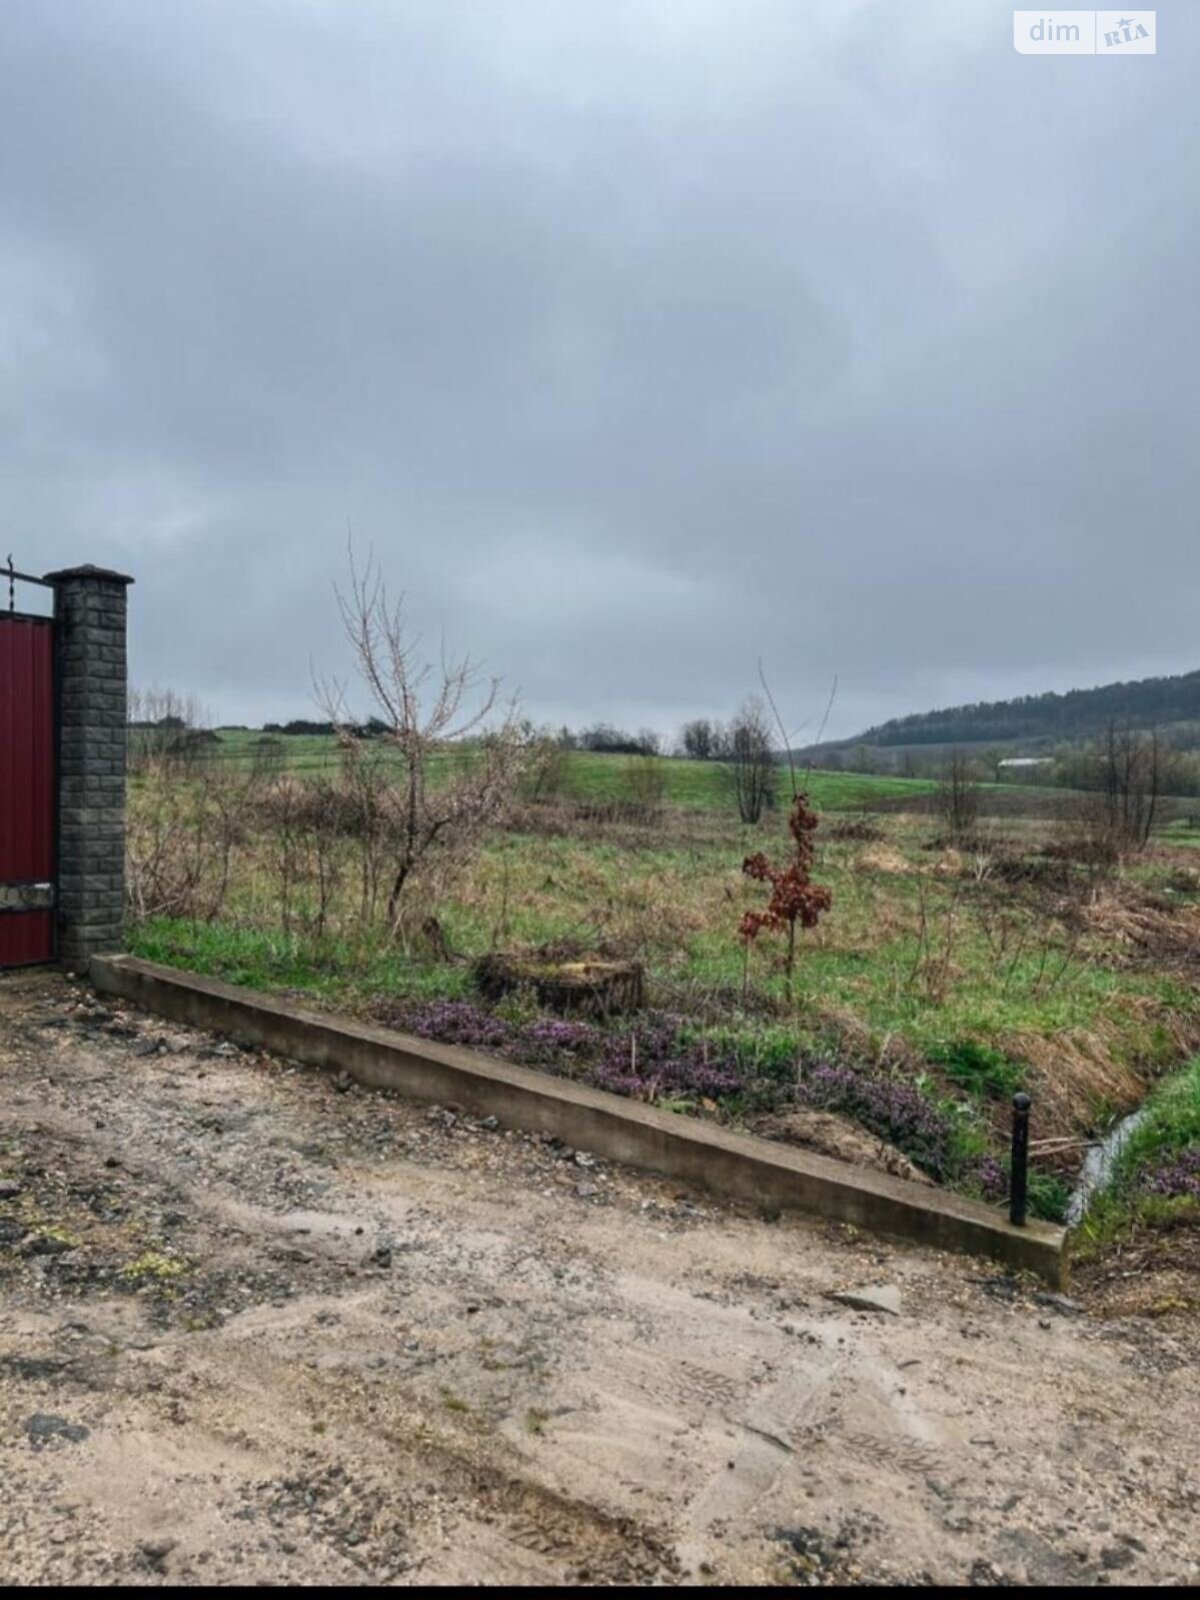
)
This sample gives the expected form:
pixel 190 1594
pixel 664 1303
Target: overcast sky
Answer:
pixel 639 338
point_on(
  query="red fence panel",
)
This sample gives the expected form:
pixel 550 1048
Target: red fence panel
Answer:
pixel 27 808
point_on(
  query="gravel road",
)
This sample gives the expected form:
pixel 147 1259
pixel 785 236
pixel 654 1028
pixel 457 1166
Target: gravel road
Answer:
pixel 257 1326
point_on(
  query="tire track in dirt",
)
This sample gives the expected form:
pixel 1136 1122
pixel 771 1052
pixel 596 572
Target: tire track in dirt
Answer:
pixel 500 1379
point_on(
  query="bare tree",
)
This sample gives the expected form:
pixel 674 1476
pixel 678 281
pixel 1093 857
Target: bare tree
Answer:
pixel 748 764
pixel 1124 775
pixel 956 798
pixel 699 739
pixel 165 728
pixel 187 810
pixel 460 752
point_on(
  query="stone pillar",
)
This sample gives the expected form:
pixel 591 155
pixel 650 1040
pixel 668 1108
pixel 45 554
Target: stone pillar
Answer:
pixel 89 609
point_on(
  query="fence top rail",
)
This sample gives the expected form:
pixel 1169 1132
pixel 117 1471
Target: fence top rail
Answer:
pixel 53 580
pixel 13 576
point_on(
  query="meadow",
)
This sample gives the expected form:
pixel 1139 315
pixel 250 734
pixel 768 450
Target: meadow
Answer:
pixel 947 974
pixel 590 776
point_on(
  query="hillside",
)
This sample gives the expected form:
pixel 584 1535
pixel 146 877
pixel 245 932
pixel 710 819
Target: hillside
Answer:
pixel 1163 703
pixel 589 775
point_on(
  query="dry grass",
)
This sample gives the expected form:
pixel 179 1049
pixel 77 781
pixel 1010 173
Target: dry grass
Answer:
pixel 1130 922
pixel 1072 1073
pixel 883 858
pixel 928 947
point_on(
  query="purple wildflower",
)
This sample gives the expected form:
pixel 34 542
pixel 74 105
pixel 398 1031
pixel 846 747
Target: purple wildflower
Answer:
pixel 989 1173
pixel 660 1056
pixel 889 1106
pixel 455 1022
pixel 1179 1177
pixel 653 1056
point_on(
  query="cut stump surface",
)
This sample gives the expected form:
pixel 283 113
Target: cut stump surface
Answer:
pixel 585 988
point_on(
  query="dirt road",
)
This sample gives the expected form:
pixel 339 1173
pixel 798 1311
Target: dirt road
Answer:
pixel 256 1327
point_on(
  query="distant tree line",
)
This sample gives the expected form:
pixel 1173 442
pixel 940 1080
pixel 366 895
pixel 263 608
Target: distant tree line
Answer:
pixel 1080 713
pixel 298 725
pixel 166 727
pixel 604 739
pixel 1065 765
pixel 372 728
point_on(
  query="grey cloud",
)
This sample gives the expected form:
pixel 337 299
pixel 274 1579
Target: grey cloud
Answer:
pixel 640 340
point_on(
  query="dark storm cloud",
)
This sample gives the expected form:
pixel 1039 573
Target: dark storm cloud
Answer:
pixel 640 340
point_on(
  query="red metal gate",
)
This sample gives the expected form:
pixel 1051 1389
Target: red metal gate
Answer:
pixel 27 790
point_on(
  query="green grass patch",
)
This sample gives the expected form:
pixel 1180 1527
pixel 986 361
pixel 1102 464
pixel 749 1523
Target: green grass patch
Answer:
pixel 917 951
pixel 255 958
pixel 589 775
pixel 980 1068
pixel 1169 1130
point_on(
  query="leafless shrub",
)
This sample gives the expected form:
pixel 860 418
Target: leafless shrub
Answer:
pixel 749 768
pixel 956 798
pixel 364 815
pixel 303 824
pixel 701 739
pixel 933 967
pixel 1125 770
pixel 186 816
pixel 1087 848
pixel 165 728
pixel 1123 775
pixel 546 770
pixel 458 753
pixel 980 862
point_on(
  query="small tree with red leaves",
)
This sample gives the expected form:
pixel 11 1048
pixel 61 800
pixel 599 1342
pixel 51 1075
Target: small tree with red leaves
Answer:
pixel 794 896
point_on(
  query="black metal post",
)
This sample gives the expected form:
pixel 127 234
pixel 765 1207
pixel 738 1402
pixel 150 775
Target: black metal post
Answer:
pixel 1019 1182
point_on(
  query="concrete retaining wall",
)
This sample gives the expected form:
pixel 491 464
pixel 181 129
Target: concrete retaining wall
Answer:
pixel 738 1165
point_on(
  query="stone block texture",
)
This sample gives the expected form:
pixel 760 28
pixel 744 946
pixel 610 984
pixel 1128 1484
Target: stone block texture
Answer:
pixel 90 609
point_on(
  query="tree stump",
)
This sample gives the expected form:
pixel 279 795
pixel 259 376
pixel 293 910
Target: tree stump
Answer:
pixel 579 988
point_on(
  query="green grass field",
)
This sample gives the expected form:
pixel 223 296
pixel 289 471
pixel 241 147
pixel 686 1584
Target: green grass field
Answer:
pixel 599 778
pixel 985 970
pixel 604 777
pixel 967 972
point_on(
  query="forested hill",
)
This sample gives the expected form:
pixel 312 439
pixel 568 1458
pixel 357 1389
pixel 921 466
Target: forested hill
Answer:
pixel 1151 702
